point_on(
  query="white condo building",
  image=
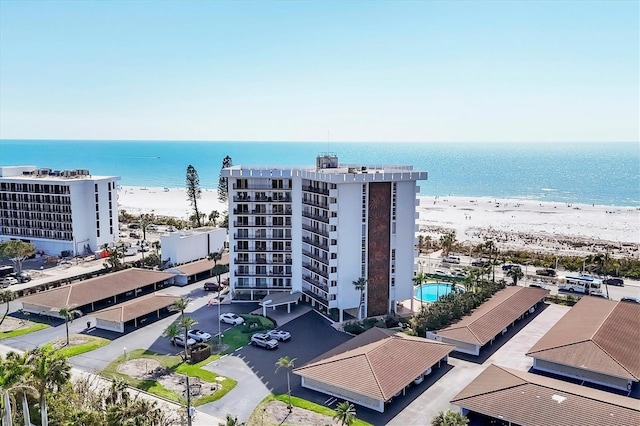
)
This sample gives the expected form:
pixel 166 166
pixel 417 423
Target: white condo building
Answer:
pixel 316 230
pixel 65 212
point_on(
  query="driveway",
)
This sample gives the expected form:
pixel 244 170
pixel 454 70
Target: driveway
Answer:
pixel 255 368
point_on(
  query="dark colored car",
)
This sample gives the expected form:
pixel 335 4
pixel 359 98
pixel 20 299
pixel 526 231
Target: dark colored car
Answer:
pixel 630 299
pixel 546 272
pixel 211 286
pixel 508 266
pixel 480 263
pixel 614 281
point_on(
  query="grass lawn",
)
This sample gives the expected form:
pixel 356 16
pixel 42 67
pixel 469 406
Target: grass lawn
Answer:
pixel 256 416
pixel 88 343
pixel 21 331
pixel 175 364
pixel 240 335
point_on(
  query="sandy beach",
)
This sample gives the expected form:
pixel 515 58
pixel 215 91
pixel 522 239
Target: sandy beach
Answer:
pixel 512 224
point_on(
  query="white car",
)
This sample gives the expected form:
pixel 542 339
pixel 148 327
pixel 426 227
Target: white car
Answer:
pixel 280 335
pixel 231 318
pixel 451 259
pixel 179 340
pixel 199 335
pixel 264 341
pixel 7 281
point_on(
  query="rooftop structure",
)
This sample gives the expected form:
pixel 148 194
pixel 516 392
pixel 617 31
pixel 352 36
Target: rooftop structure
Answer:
pixel 372 368
pixel 514 397
pixel 596 341
pixel 316 230
pixel 490 319
pixel 64 213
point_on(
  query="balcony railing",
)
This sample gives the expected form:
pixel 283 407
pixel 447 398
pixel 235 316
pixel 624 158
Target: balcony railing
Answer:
pixel 237 236
pixel 315 243
pixel 318 271
pixel 309 215
pixel 315 190
pixel 316 283
pixel 261 225
pixel 313 256
pixel 308 202
pixel 264 187
pixel 315 230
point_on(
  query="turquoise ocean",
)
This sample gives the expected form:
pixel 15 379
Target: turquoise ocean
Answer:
pixel 590 173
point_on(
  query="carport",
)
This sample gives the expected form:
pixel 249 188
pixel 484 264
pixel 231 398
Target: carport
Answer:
pixel 374 367
pixel 195 271
pixel 490 319
pixel 97 293
pixel 274 300
pixel 133 312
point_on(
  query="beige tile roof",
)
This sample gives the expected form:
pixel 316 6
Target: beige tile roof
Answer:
pixel 136 308
pixel 378 364
pixel 199 266
pixel 529 399
pixel 94 289
pixel 494 315
pixel 598 335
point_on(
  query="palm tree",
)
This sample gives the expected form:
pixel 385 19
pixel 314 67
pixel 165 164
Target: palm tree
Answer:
pixel 213 217
pixel 420 279
pixel 286 363
pixel 217 269
pixel 447 241
pixel 360 284
pixel 172 332
pixel 6 296
pixel 231 421
pixel 68 313
pixel 515 273
pixel 345 413
pixel 185 324
pixel 49 372
pixel 449 418
pixel 13 379
pixel 179 305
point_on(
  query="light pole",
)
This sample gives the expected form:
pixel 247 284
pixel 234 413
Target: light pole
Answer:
pixel 188 400
pixel 219 322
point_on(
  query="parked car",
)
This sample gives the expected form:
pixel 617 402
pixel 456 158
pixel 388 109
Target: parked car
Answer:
pixel 451 259
pixel 508 266
pixel 536 284
pixel 546 272
pixel 22 277
pixel 480 263
pixel 264 341
pixel 134 235
pixel 598 294
pixel 7 281
pixel 279 335
pixel 211 286
pixel 199 335
pixel 630 299
pixel 179 340
pixel 615 281
pixel 231 318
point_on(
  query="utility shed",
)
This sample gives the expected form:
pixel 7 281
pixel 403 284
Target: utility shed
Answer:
pixel 97 293
pixel 506 396
pixel 598 340
pixel 134 313
pixel 490 319
pixel 373 367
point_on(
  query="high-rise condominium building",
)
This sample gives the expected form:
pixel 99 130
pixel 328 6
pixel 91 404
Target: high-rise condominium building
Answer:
pixel 317 230
pixel 64 213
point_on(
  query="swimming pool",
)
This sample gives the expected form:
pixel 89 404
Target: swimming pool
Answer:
pixel 431 292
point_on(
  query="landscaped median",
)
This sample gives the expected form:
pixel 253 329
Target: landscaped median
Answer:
pixel 273 411
pixel 240 335
pixel 78 344
pixel 164 376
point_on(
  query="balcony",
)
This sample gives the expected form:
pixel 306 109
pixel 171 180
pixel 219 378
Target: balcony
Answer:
pixel 315 243
pixel 259 186
pixel 315 190
pixel 238 224
pixel 312 268
pixel 320 286
pixel 309 215
pixel 237 236
pixel 313 256
pixel 315 230
pixel 308 202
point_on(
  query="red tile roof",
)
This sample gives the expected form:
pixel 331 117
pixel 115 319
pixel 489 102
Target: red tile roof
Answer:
pixel 85 292
pixel 377 364
pixel 494 315
pixel 598 335
pixel 136 308
pixel 529 399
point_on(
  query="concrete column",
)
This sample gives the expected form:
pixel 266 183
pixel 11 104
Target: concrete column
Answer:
pixel 341 315
pixel 288 308
pixel 264 310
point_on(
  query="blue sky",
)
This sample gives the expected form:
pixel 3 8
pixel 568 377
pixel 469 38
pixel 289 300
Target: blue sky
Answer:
pixel 305 71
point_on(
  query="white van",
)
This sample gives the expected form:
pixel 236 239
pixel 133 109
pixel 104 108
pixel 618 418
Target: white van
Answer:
pixel 451 259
